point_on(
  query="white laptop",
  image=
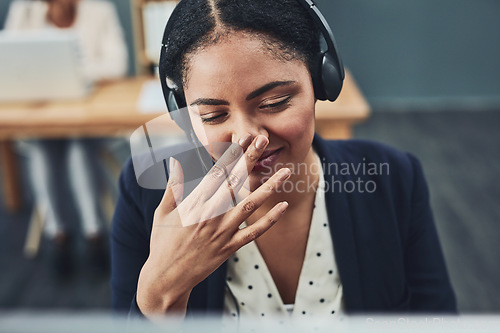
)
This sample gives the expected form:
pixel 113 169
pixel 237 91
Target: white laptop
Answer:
pixel 37 66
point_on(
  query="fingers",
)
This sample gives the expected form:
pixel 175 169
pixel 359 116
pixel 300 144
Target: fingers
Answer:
pixel 251 203
pixel 236 177
pixel 254 151
pixel 175 187
pixel 232 167
pixel 218 173
pixel 254 231
pixel 245 166
pixel 248 206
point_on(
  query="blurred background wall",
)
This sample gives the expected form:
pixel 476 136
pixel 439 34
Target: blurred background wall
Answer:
pixel 419 54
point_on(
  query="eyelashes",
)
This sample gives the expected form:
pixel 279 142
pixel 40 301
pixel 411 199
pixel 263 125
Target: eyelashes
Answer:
pixel 271 108
pixel 281 103
pixel 214 119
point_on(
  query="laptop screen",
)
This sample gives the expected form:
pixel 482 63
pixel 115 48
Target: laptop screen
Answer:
pixel 36 66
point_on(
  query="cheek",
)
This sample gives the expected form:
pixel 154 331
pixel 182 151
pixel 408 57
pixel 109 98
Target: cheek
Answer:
pixel 204 133
pixel 213 139
pixel 200 133
pixel 296 128
pixel 209 135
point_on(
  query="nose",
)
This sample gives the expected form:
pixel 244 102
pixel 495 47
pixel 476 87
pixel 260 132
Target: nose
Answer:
pixel 244 125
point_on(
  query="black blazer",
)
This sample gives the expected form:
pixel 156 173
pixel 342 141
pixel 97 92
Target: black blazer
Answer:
pixel 385 241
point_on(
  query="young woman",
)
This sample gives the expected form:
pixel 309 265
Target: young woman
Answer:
pixel 327 227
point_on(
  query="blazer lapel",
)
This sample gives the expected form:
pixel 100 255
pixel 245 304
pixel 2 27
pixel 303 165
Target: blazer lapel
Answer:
pixel 342 231
pixel 216 287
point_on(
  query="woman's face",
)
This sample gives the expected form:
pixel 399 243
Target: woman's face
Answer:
pixel 237 88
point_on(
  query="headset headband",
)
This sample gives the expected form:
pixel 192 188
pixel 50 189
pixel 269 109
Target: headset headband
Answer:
pixel 326 31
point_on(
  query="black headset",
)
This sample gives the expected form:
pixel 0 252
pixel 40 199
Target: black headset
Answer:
pixel 327 72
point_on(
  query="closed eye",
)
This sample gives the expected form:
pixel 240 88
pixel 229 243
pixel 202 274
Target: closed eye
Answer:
pixel 276 105
pixel 217 118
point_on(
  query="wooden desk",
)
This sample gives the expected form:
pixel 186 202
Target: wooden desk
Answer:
pixel 112 110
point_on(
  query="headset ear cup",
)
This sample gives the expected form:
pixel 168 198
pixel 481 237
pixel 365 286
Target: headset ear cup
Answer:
pixel 319 90
pixel 331 78
pixel 327 79
pixel 174 106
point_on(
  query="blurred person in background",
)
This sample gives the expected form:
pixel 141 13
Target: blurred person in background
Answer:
pixel 96 24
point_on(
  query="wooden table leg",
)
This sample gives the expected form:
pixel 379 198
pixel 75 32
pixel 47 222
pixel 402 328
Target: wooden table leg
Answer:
pixel 10 176
pixel 35 231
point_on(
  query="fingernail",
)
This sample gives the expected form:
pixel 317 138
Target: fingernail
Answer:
pixel 244 141
pixel 285 174
pixel 261 142
pixel 283 206
pixel 172 166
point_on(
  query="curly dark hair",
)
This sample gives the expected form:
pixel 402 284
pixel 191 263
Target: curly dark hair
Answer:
pixel 284 27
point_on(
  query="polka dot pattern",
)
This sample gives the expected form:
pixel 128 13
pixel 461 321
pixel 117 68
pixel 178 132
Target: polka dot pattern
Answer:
pixel 319 291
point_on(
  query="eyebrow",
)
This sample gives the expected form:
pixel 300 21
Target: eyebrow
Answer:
pixel 257 92
pixel 267 87
pixel 209 101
